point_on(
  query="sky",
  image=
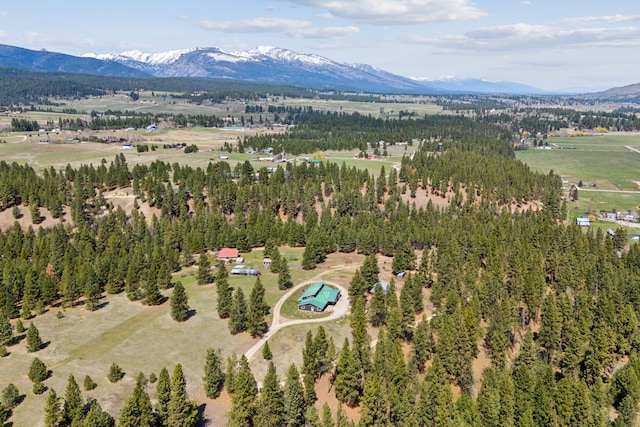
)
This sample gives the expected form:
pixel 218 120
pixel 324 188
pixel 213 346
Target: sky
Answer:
pixel 553 45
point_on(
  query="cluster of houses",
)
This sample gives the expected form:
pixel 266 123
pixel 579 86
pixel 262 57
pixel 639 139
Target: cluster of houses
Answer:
pixel 585 220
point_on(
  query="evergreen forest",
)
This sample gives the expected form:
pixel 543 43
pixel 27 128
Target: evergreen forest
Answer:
pixel 553 307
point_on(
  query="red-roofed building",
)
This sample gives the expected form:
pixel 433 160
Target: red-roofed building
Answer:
pixel 228 254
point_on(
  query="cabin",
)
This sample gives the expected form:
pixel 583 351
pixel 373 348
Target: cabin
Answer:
pixel 227 254
pixel 317 297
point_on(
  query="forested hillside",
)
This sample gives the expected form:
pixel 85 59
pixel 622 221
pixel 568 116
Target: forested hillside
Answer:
pixel 554 308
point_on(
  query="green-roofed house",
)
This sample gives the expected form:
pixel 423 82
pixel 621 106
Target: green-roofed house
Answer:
pixel 317 297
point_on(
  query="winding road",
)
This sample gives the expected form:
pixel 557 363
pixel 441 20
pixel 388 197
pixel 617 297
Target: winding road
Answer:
pixel 339 310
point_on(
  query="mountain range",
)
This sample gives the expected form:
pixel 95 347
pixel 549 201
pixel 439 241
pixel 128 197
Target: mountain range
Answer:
pixel 260 65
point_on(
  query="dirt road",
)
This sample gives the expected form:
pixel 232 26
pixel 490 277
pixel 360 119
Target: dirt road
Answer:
pixel 339 310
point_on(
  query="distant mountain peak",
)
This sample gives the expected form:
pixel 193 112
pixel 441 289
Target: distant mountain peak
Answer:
pixel 262 64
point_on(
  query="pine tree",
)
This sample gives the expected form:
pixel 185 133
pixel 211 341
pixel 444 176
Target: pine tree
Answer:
pixel 378 307
pixel 550 327
pixel 10 397
pixel 225 297
pixel 348 380
pixel 204 275
pixel 422 343
pixel 284 275
pixel 89 384
pixel 6 329
pixel 309 356
pixel 137 409
pixel 270 404
pixel 404 259
pixel 276 260
pixel 213 373
pixel 38 371
pixel 163 395
pixel 34 342
pixel 230 373
pixel 294 403
pixel 435 406
pixel 179 303
pixel 266 352
pixel 152 295
pixel 370 270
pixel 96 417
pixel 327 416
pixel 92 295
pixel 73 408
pixel 238 314
pixel 115 373
pixel 373 411
pixel 182 411
pixel 245 390
pixel 312 417
pixel 310 395
pixel 256 323
pixel 52 414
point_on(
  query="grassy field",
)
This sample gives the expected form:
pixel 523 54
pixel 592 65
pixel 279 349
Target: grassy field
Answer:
pixel 145 339
pixel 22 148
pixel 602 160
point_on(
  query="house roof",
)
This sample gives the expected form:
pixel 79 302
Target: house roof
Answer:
pixel 311 291
pixel 320 295
pixel 228 253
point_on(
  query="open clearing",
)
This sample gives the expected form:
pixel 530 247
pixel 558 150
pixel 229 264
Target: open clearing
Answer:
pixel 145 339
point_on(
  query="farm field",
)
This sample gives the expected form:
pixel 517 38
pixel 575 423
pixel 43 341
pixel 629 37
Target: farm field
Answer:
pixel 601 160
pixel 23 148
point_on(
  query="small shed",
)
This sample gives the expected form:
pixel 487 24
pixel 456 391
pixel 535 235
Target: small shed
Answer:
pixel 583 222
pixel 241 270
pixel 384 285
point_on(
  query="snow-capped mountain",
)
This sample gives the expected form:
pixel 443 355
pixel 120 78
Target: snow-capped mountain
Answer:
pixel 263 64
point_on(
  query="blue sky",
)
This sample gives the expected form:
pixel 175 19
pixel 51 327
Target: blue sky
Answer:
pixel 549 44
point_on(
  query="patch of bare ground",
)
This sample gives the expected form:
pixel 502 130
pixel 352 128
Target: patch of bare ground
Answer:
pixel 215 411
pixel 326 394
pixel 7 219
pixel 479 364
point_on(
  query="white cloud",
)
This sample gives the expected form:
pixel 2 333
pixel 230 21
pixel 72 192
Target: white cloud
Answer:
pixel 36 40
pixel 600 19
pixel 257 25
pixel 521 37
pixel 397 11
pixel 4 13
pixel 292 27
